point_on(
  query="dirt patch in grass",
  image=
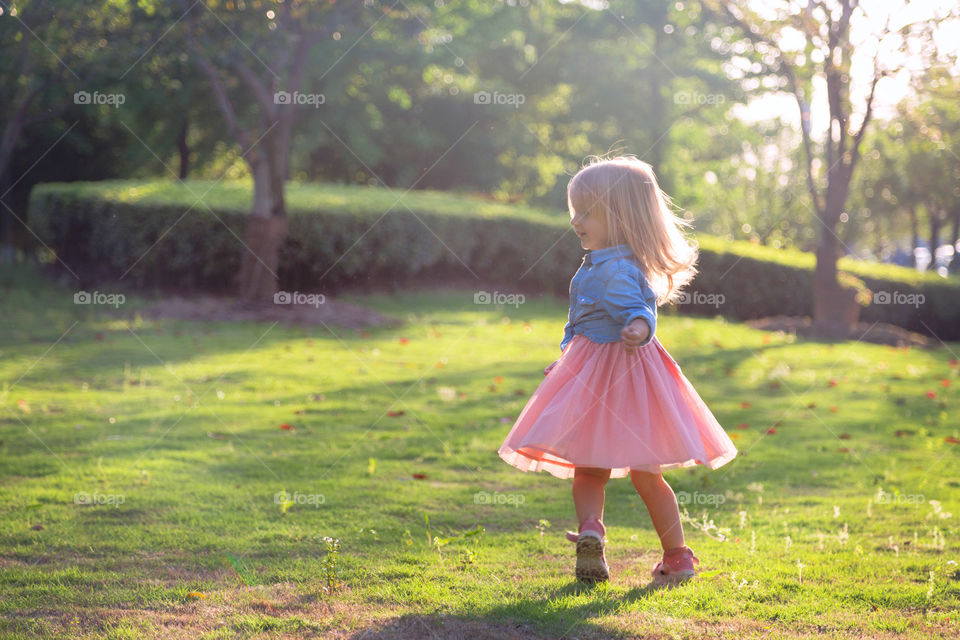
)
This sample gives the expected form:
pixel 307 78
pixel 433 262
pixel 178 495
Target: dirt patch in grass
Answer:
pixel 296 312
pixel 878 332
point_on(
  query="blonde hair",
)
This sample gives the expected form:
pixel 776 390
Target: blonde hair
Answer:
pixel 624 189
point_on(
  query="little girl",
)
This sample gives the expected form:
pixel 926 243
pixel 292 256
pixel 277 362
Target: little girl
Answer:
pixel 616 402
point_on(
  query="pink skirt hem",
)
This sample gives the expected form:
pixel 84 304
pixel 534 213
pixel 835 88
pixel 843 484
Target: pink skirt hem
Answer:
pixel 604 407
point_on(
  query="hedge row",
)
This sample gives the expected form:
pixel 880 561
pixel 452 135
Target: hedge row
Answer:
pixel 124 232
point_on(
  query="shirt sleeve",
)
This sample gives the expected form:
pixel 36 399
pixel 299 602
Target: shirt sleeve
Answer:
pixel 627 298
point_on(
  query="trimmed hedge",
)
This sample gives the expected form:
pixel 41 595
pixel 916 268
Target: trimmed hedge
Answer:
pixel 146 234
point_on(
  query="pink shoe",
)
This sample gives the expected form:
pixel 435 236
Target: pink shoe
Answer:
pixel 591 557
pixel 676 566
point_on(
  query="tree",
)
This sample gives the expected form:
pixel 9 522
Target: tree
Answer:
pixel 254 57
pixel 825 27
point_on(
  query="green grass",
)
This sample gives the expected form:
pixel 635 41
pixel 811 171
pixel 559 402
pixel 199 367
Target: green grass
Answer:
pixel 173 429
pixel 305 198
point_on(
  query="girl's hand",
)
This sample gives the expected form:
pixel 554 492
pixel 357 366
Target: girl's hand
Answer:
pixel 634 333
pixel 549 368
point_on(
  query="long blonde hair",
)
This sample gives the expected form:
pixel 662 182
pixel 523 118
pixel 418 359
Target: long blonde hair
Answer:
pixel 624 189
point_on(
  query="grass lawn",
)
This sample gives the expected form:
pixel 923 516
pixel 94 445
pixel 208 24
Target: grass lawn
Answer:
pixel 180 479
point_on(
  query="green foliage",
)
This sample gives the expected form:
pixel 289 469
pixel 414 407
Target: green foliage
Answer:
pixel 160 234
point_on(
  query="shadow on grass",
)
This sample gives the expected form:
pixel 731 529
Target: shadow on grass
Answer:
pixel 525 618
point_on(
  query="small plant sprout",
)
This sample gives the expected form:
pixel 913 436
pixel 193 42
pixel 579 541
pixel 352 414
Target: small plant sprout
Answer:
pixel 893 546
pixel 753 542
pixel 787 544
pixel 939 540
pixel 844 535
pixel 869 512
pixel 542 528
pixel 800 567
pixel 819 541
pixel 708 527
pixel 330 563
pixel 938 510
pixel 836 511
pixel 930 584
pixel 743 519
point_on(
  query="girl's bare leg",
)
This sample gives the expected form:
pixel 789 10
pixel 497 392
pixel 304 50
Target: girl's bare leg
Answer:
pixel 589 492
pixel 662 504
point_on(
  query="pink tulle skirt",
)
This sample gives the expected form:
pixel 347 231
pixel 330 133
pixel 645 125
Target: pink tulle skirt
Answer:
pixel 601 406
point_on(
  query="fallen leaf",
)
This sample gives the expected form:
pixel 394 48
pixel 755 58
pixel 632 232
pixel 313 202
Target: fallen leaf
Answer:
pixel 834 409
pixel 734 436
pixel 286 427
pixel 951 440
pixel 771 430
pixel 843 450
pixel 37 527
pixel 498 379
pixel 196 595
pixel 844 436
pixel 832 383
pixel 744 404
pixel 743 425
pixel 216 436
pixel 404 340
pixel 931 394
pixel 902 432
pixel 395 414
pixel 24 406
pixel 945 382
pixel 420 476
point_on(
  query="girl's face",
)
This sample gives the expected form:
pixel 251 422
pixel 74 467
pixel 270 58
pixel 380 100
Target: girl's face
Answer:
pixel 592 229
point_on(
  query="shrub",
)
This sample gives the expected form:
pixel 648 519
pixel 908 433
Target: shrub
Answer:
pixel 155 234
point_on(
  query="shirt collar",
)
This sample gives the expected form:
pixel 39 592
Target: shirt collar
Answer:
pixel 597 256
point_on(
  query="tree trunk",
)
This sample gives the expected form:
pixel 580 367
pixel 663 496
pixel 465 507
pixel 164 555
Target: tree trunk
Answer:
pixel 266 231
pixel 914 233
pixel 835 310
pixel 184 150
pixel 7 252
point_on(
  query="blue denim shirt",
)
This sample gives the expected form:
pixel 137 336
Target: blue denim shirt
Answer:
pixel 607 293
